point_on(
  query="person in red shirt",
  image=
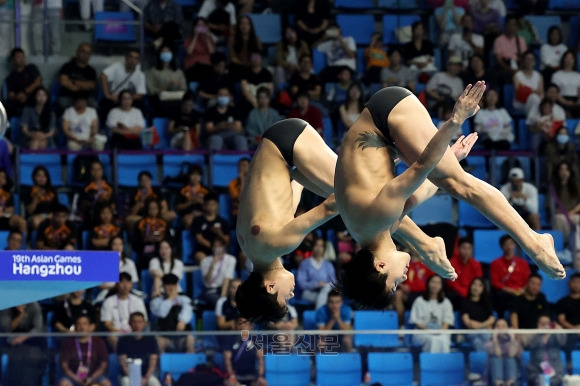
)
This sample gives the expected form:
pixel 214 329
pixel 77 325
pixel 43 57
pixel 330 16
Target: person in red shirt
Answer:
pixel 509 275
pixel 467 269
pixel 305 111
pixel 414 286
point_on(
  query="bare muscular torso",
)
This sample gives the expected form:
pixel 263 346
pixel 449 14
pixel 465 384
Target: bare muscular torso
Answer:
pixel 364 166
pixel 266 205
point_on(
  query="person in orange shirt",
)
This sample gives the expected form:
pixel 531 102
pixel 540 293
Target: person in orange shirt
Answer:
pixel 190 200
pixel 105 230
pixel 97 191
pixel 56 233
pixel 235 186
pixel 509 275
pixel 413 287
pixel 151 230
pixel 467 269
pixel 376 59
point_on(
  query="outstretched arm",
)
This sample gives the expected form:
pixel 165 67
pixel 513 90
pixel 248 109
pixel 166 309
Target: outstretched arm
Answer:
pixel 292 234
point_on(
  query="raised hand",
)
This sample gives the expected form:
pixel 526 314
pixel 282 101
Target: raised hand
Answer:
pixel 468 103
pixel 463 145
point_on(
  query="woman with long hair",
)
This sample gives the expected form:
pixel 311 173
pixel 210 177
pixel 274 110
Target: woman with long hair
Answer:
pixel 241 44
pixel 565 198
pixel 166 84
pixel 551 53
pixel 41 198
pixel 432 311
pixel 162 265
pixel 312 19
pixel 288 51
pixel 560 148
pixel 476 313
pixel 494 123
pixel 126 123
pixel 38 122
pixel 528 83
pixel 350 110
pixel 504 349
pixel 568 79
pixel 198 51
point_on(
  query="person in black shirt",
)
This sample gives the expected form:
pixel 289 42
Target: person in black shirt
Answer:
pixel 419 52
pixel 254 78
pixel 209 226
pixel 529 306
pixel 67 312
pixel 223 125
pixel 138 346
pixel 476 313
pixel 304 81
pixel 209 86
pixel 20 83
pixel 78 79
pixel 186 127
pixel 567 309
pixel 312 19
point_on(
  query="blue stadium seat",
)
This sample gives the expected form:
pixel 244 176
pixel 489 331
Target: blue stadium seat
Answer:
pixel 318 61
pixel 336 370
pixel 360 62
pixel 575 362
pixel 394 369
pixel 525 165
pixel 63 199
pixel 209 323
pixel 359 27
pixel 555 289
pixel 179 363
pixel 54 92
pixel 469 217
pixel 4 367
pixel 116 29
pixel 543 24
pixel 574 29
pixel 172 164
pixel 15 130
pixel 225 207
pixel 114 369
pixel 356 4
pixel 130 165
pixel 486 246
pixel 4 239
pixel 146 282
pixel 558 237
pixel 571 126
pixel 309 319
pixel 162 124
pixel 437 209
pixel 397 4
pixel 268 27
pixel 28 161
pixel 477 166
pixel 477 362
pixel 376 320
pixel 225 168
pixel 442 369
pixel 543 211
pixel 86 240
pixel 187 247
pixel 523 136
pixel 392 22
pixel 327 131
pixel 186 3
pixel 508 97
pixel 105 160
pixel 288 370
pixel 197 284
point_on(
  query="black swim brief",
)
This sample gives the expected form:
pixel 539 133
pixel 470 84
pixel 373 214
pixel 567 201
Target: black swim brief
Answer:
pixel 284 134
pixel 382 103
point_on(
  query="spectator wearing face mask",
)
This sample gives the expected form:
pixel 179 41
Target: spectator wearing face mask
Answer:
pixel 223 124
pixel 166 84
pixel 560 149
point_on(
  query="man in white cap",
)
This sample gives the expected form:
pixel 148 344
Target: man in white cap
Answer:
pixel 523 196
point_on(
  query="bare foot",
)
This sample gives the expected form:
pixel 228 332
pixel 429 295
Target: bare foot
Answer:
pixel 546 259
pixel 436 260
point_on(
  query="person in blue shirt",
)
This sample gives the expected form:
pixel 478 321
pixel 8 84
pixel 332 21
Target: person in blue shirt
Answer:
pixel 315 275
pixel 335 315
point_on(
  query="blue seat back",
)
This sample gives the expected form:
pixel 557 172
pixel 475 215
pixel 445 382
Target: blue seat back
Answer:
pixel 162 124
pixel 341 369
pixel 28 161
pixel 327 130
pixel 486 246
pixel 172 164
pixel 309 320
pixel 574 28
pixel 435 210
pixel 318 61
pixel 187 247
pixel 508 96
pixel 209 323
pixel 525 165
pixel 268 27
pixel 130 165
pixel 288 370
pixel 225 207
pixel 198 286
pixel 4 239
pixel 575 362
pixel 543 24
pixel 15 130
pixel 392 22
pixel 477 362
pixel 394 369
pixel 146 282
pixel 442 369
pixel 359 27
pixel 470 217
pixel 555 289
pixel 397 4
pixel 376 320
pixel 114 369
pixel 179 363
pixel 523 135
pixel 117 28
pixel 105 160
pixel 225 168
pixel 356 4
pixel 477 166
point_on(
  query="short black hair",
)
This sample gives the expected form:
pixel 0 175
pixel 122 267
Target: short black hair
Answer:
pixel 125 276
pixel 144 173
pixel 334 293
pixel 170 279
pixel 211 197
pixel 16 50
pixel 263 90
pixel 255 304
pixel 83 316
pixel 135 314
pixel 363 284
pixel 464 240
pixel 535 275
pixel 575 275
pixel 217 57
pixel 195 169
pixel 244 159
pixel 59 208
pixel 553 85
pixel 505 238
